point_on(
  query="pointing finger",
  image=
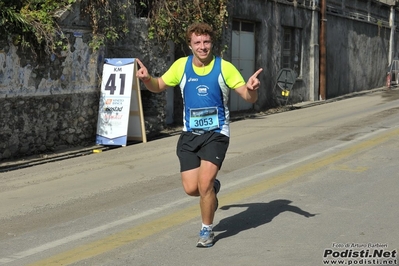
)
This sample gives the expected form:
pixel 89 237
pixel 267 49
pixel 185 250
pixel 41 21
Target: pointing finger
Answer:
pixel 140 63
pixel 257 73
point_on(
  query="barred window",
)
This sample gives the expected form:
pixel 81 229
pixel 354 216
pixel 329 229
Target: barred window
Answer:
pixel 291 49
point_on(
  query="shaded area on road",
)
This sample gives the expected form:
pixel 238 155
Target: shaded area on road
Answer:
pixel 255 214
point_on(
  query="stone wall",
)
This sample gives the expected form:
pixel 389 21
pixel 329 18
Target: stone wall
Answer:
pixel 50 102
pixel 157 57
pixel 45 124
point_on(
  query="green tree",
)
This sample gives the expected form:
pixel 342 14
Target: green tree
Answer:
pixel 169 19
pixel 33 23
pixel 108 18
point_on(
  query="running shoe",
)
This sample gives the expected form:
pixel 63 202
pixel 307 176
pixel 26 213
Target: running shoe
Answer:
pixel 206 237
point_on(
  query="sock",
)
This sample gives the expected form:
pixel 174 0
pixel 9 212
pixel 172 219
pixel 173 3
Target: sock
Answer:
pixel 209 227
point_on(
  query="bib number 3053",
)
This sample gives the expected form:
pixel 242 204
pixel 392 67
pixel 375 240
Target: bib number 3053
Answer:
pixel 204 118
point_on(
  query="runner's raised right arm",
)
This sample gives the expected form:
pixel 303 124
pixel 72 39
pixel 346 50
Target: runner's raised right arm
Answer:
pixel 155 85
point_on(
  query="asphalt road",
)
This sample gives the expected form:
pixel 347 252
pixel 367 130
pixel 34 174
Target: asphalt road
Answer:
pixel 307 187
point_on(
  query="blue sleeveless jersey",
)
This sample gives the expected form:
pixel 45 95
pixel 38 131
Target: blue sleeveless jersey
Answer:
pixel 205 100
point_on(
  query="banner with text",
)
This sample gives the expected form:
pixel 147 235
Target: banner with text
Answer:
pixel 120 113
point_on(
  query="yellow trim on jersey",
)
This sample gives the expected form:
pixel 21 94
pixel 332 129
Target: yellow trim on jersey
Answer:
pixel 231 75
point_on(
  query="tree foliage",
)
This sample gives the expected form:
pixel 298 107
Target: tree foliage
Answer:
pixel 108 18
pixel 33 23
pixel 169 19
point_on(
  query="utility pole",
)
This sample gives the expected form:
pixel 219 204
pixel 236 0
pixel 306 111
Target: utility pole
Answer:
pixel 323 50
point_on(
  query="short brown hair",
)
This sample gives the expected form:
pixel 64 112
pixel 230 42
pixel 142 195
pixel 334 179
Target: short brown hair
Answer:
pixel 199 28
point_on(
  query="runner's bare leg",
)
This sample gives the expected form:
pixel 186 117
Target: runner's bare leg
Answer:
pixel 199 182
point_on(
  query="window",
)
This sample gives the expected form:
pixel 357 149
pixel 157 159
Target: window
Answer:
pixel 291 49
pixel 243 26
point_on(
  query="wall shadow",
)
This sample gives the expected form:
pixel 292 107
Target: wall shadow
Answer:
pixel 255 214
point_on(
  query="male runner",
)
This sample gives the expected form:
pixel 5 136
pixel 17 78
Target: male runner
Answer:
pixel 205 81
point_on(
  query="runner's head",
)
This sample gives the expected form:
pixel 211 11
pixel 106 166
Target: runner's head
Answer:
pixel 199 28
pixel 199 39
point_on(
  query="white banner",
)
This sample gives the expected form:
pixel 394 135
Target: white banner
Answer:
pixel 114 109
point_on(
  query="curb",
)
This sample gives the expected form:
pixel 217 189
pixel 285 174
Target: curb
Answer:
pixel 26 162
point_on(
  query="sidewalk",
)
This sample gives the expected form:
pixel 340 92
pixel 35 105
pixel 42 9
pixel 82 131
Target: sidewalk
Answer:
pixel 33 160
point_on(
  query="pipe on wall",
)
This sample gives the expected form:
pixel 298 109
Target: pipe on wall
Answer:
pixel 323 50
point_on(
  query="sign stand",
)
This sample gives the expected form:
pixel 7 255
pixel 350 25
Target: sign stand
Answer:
pixel 136 128
pixel 120 116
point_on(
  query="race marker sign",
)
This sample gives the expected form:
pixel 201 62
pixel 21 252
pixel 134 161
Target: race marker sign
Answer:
pixel 120 115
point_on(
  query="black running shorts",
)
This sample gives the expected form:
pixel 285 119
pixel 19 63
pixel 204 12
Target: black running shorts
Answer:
pixel 192 148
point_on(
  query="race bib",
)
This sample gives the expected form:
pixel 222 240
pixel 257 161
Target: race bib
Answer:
pixel 204 118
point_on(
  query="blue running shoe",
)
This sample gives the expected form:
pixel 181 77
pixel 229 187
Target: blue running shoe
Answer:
pixel 206 237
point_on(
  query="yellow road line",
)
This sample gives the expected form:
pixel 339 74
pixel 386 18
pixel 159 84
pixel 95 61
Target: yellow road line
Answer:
pixel 142 231
pixel 346 168
pixel 308 168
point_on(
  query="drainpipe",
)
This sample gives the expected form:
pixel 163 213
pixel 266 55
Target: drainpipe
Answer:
pixel 391 40
pixel 323 50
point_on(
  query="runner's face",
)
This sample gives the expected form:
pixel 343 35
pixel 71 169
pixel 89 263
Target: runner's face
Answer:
pixel 201 45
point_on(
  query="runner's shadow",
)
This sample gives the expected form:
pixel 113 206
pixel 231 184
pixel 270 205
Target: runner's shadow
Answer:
pixel 255 215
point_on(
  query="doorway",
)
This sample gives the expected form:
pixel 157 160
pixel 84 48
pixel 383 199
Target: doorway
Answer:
pixel 243 58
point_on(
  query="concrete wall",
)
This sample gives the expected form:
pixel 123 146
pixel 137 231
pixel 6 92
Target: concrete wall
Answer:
pixel 271 17
pixel 357 44
pixel 358 36
pixel 357 58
